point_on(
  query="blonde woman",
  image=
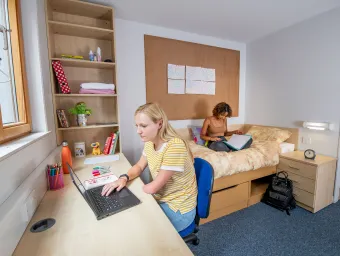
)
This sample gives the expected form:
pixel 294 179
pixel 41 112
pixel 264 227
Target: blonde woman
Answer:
pixel 171 165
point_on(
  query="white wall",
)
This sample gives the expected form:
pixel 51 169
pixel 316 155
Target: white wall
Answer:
pixel 23 183
pixel 293 76
pixel 131 76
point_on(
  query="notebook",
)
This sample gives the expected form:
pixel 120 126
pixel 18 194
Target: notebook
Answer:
pixel 237 142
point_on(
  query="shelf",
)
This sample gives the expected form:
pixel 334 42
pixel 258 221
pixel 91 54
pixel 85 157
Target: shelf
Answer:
pixel 69 29
pixel 85 63
pixel 258 188
pixel 87 127
pixel 80 8
pixel 84 95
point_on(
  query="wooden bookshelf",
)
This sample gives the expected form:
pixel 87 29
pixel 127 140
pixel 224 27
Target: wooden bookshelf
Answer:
pixel 84 95
pixel 88 127
pixel 76 7
pixel 85 63
pixel 69 29
pixel 74 28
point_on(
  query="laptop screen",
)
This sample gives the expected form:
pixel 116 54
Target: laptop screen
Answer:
pixel 76 180
pixel 80 187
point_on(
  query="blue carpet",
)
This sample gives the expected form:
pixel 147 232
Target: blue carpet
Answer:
pixel 263 230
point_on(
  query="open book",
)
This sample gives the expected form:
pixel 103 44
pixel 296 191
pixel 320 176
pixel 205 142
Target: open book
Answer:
pixel 237 142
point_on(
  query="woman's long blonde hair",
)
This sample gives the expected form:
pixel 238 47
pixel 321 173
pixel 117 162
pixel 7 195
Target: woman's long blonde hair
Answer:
pixel 167 132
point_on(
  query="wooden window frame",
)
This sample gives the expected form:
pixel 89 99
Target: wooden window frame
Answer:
pixel 24 126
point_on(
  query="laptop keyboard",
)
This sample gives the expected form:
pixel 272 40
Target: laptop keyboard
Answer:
pixel 105 203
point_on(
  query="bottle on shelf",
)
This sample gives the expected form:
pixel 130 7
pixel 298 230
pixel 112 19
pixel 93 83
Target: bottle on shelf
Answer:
pixel 66 157
pixel 99 54
pixel 91 56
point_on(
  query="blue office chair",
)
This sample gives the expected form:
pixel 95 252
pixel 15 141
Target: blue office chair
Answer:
pixel 205 182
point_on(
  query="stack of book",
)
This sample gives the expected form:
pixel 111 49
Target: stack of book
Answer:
pixel 111 143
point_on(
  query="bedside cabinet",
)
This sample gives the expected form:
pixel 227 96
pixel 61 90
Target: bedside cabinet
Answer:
pixel 313 180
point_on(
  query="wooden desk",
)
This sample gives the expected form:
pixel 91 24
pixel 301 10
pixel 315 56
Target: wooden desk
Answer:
pixel 140 230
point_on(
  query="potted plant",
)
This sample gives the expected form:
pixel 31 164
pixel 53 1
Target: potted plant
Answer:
pixel 81 111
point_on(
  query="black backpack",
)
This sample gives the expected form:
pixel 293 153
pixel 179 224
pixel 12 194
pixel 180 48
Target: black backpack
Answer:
pixel 279 193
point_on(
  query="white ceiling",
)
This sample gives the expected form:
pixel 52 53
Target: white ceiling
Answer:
pixel 236 20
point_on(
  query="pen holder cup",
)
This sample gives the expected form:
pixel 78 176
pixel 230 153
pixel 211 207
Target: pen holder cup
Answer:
pixel 56 182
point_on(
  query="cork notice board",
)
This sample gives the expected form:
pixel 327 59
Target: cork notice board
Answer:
pixel 159 52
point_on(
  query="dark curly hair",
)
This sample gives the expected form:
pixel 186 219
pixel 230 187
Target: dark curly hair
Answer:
pixel 222 108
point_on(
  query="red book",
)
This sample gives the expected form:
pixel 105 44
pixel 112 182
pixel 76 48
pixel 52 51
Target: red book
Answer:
pixel 114 138
pixel 107 145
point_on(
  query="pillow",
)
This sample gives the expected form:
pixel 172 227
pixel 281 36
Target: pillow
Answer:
pixel 269 133
pixel 196 133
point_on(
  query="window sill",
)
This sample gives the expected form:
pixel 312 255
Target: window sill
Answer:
pixel 10 148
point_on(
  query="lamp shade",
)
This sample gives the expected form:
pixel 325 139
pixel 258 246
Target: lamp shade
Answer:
pixel 316 126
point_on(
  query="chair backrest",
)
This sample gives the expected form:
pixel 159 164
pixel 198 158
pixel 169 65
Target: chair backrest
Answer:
pixel 205 182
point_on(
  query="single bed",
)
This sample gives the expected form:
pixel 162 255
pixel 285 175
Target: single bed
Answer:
pixel 242 177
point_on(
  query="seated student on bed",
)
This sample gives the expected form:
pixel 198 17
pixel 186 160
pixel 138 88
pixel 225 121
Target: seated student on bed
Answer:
pixel 215 128
pixel 171 165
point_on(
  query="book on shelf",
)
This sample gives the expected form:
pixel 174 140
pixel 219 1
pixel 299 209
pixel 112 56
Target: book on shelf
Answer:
pixel 111 144
pixel 64 123
pixel 114 143
pixel 107 145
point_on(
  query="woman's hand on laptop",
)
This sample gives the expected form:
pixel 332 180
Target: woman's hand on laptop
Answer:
pixel 118 184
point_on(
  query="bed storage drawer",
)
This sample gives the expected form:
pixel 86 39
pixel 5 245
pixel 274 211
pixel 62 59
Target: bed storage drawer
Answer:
pixel 229 196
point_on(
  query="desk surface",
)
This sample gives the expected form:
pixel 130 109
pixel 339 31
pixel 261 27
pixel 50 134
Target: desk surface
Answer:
pixel 140 230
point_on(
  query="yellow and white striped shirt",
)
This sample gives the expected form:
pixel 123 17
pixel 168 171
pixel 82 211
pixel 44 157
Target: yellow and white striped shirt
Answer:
pixel 180 192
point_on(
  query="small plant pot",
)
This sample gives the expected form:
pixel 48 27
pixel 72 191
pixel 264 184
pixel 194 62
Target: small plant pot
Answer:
pixel 81 120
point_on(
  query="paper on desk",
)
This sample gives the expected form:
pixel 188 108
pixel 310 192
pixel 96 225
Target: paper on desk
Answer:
pixel 100 181
pixel 176 86
pixel 176 71
pixel 101 159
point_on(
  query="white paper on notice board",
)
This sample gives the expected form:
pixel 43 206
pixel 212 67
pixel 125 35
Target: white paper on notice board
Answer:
pixel 193 87
pixel 194 73
pixel 208 88
pixel 208 74
pixel 176 71
pixel 200 87
pixel 176 86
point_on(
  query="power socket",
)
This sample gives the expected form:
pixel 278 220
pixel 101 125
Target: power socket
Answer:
pixel 31 204
pixel 309 140
pixel 306 140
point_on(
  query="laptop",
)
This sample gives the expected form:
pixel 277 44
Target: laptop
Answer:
pixel 104 206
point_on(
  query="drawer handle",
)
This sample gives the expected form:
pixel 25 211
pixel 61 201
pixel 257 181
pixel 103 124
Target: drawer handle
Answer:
pixel 293 167
pixel 224 189
pixel 230 187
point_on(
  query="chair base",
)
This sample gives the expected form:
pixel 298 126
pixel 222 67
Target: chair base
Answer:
pixel 192 238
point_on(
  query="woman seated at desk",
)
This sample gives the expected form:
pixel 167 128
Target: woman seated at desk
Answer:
pixel 171 165
pixel 215 128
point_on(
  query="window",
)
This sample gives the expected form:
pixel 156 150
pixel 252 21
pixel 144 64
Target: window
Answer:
pixel 14 109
